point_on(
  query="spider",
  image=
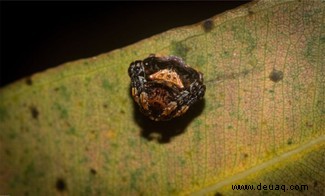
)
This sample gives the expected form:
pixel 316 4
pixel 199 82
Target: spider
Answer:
pixel 165 87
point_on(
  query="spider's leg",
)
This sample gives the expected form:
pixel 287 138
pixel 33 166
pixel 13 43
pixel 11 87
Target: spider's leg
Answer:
pixel 194 93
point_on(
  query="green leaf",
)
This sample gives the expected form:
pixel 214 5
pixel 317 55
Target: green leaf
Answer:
pixel 75 129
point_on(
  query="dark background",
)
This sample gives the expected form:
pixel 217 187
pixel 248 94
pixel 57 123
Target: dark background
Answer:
pixel 39 35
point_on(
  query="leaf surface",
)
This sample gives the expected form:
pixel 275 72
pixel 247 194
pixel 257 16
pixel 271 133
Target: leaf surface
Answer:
pixel 74 129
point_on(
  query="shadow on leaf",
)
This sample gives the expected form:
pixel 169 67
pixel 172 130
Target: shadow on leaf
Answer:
pixel 164 131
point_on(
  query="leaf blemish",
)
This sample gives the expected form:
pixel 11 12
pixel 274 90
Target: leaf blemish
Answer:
pixel 60 185
pixel 309 124
pixel 250 12
pixel 201 60
pixel 289 141
pixel 217 194
pixel 93 171
pixel 3 114
pixel 315 183
pixel 179 49
pixel 34 112
pixel 29 81
pixel 62 110
pixel 208 25
pixel 276 75
pixel 106 84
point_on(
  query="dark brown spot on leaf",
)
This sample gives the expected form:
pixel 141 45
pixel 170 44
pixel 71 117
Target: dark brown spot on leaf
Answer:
pixel 60 185
pixel 93 171
pixel 208 25
pixel 29 81
pixel 276 75
pixel 289 141
pixel 245 72
pixel 217 194
pixel 250 12
pixel 309 124
pixel 34 112
pixel 315 183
